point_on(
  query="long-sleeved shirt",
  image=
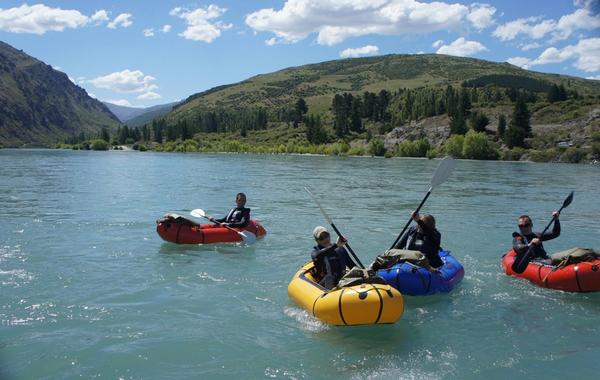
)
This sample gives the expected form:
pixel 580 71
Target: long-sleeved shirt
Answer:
pixel 521 242
pixel 427 242
pixel 237 217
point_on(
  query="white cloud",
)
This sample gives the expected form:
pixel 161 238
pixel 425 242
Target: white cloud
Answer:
pixel 359 52
pixel 462 48
pixel 437 43
pixel 581 19
pixel 126 81
pixel 586 54
pixel 39 19
pixel 481 15
pixel 166 28
pixel 595 77
pixel 92 95
pixel 99 17
pixel 149 96
pixel 148 32
pixel 519 61
pixel 122 20
pixel 200 24
pixel 528 26
pixel 335 21
pixel 271 41
pixel 120 102
pixel 533 45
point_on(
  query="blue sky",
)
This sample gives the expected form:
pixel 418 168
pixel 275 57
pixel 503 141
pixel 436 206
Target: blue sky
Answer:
pixel 147 52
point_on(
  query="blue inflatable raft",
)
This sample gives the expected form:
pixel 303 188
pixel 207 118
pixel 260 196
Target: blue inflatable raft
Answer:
pixel 416 281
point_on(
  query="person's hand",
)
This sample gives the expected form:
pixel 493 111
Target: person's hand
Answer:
pixel 223 224
pixel 556 214
pixel 535 241
pixel 415 216
pixel 340 242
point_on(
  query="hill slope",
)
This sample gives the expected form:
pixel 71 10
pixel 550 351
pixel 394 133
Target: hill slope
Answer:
pixel 318 83
pixel 40 106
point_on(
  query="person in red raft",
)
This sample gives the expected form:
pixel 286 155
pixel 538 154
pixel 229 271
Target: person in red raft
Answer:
pixel 526 238
pixel 237 217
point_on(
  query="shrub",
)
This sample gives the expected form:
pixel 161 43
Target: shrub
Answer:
pixel 477 146
pixel 356 151
pixel 573 155
pixel 454 146
pixel 417 148
pixel 543 155
pixel 99 144
pixel 376 147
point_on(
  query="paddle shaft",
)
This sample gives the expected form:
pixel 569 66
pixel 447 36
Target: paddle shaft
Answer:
pixel 356 260
pixel 225 226
pixel 410 220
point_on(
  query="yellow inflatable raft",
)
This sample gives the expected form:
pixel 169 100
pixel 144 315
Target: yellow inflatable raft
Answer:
pixel 362 304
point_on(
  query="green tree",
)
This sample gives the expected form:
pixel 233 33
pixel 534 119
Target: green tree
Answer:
pixel 501 126
pixel 478 121
pixel 519 128
pixel 458 126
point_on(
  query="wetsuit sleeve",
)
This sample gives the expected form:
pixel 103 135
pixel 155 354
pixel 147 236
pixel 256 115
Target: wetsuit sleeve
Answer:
pixel 223 219
pixel 519 244
pixel 244 220
pixel 555 232
pixel 318 254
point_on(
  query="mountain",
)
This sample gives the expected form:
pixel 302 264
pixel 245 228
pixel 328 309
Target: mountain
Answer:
pixel 136 117
pixel 40 106
pixel 318 83
pixel 124 113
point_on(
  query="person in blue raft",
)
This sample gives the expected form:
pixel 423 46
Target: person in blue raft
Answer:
pixel 331 260
pixel 425 238
pixel 417 265
pixel 237 217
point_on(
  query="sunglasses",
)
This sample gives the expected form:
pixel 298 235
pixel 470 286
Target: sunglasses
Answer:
pixel 525 225
pixel 323 237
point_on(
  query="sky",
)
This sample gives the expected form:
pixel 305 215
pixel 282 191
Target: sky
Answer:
pixel 141 53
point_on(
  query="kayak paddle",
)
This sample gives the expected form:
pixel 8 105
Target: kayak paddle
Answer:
pixel 522 260
pixel 247 236
pixel 334 227
pixel 441 174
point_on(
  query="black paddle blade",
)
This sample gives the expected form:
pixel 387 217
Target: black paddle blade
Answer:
pixel 568 201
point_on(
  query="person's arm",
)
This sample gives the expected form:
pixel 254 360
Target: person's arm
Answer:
pixel 555 231
pixel 244 220
pixel 519 244
pixel 318 254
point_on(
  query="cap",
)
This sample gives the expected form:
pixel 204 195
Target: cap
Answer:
pixel 318 231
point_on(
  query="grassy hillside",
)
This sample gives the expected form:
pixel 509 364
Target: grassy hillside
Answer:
pixel 318 83
pixel 40 106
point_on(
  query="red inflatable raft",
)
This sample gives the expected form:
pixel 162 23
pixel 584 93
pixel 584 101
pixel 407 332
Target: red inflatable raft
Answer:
pixel 578 277
pixel 180 230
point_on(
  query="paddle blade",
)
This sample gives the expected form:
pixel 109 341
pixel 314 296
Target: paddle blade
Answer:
pixel 568 201
pixel 443 171
pixel 198 213
pixel 249 237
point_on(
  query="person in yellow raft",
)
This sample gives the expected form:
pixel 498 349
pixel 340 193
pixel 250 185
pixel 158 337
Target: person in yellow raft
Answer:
pixel 331 260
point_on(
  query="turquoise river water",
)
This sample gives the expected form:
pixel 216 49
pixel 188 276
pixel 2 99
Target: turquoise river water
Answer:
pixel 89 290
